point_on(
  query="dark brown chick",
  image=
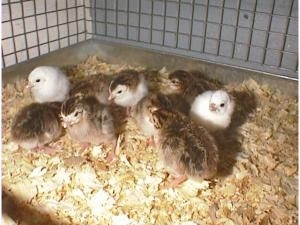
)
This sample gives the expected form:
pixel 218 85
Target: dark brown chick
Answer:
pixel 186 84
pixel 153 101
pixel 185 149
pixel 96 85
pixel 36 124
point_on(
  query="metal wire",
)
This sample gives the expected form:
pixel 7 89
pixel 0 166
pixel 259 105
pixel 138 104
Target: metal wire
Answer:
pixel 151 23
pixel 165 20
pixel 192 24
pixel 13 32
pixel 236 29
pixel 205 28
pixel 39 47
pixel 286 31
pixel 25 36
pixel 178 21
pixel 268 34
pixel 220 28
pixel 187 40
pixel 47 27
pixel 251 30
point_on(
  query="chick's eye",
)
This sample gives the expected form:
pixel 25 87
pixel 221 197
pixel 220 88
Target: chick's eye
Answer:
pixel 76 114
pixel 119 92
pixel 37 80
pixel 222 105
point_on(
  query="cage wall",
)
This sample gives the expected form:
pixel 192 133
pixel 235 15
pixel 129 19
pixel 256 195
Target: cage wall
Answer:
pixel 253 34
pixel 34 28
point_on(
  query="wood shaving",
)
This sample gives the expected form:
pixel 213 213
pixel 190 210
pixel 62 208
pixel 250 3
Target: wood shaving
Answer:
pixel 257 182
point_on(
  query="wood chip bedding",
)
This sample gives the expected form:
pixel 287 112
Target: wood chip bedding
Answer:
pixel 257 181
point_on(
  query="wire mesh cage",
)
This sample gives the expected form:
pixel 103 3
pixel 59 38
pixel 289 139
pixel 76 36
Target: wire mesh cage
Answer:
pixel 254 34
pixel 248 48
pixel 34 28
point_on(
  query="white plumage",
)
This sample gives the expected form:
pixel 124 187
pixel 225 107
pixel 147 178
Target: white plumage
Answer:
pixel 213 109
pixel 48 84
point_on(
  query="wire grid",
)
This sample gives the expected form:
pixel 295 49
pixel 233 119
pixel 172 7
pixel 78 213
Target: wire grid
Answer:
pixel 256 34
pixel 34 28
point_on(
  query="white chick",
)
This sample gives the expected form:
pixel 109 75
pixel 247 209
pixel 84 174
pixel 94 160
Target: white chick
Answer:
pixel 213 109
pixel 48 84
pixel 128 88
pixel 37 124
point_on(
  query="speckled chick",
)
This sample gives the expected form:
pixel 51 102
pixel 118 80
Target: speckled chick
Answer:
pixel 184 83
pixel 96 85
pixel 48 84
pixel 128 88
pixel 87 120
pixel 185 149
pixel 36 124
pixel 152 102
pixel 213 109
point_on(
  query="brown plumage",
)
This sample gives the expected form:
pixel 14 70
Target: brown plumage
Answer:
pixel 36 125
pixel 185 149
pixel 207 83
pixel 89 121
pixel 126 77
pixel 189 85
pixel 128 88
pixel 96 85
pixel 152 102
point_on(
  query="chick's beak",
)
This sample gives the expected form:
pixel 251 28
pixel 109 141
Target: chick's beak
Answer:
pixel 111 98
pixel 213 107
pixel 64 124
pixel 29 86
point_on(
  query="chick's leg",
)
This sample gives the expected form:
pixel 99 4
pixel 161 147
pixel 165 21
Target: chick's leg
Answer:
pixel 114 152
pixel 151 141
pixel 175 182
pixel 111 155
pixel 84 146
pixel 44 149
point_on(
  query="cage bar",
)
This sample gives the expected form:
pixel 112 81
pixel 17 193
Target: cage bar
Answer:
pixel 191 28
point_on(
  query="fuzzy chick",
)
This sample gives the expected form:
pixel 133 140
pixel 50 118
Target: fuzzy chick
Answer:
pixel 128 88
pixel 185 149
pixel 153 101
pixel 89 122
pixel 186 84
pixel 36 125
pixel 96 85
pixel 213 109
pixel 48 84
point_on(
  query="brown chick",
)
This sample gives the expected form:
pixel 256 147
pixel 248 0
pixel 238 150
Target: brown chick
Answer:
pixel 186 84
pixel 90 122
pixel 185 149
pixel 154 101
pixel 96 85
pixel 36 125
pixel 128 88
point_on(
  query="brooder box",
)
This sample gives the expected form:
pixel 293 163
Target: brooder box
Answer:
pixel 250 46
